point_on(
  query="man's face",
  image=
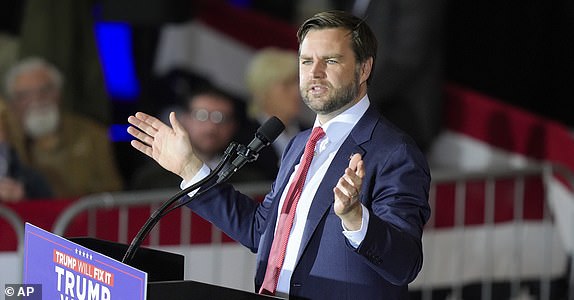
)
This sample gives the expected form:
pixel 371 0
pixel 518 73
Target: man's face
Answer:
pixel 211 124
pixel 35 99
pixel 328 72
pixel 34 89
pixel 283 99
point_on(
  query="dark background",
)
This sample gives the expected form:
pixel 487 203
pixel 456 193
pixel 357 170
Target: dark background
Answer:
pixel 520 52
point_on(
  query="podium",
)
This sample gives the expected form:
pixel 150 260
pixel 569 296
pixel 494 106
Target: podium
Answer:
pixel 159 265
pixel 165 274
pixel 87 268
pixel 191 290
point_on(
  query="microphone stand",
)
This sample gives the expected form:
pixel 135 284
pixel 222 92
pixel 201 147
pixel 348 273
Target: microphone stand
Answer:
pixel 165 207
pixel 249 154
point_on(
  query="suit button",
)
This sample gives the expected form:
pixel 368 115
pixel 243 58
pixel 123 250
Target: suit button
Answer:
pixel 296 285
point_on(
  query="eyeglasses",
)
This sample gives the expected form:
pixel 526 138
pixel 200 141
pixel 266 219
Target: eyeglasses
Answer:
pixel 29 94
pixel 215 116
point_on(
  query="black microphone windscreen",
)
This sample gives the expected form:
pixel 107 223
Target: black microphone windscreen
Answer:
pixel 271 129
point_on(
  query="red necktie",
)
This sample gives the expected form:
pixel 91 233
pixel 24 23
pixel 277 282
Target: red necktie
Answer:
pixel 287 215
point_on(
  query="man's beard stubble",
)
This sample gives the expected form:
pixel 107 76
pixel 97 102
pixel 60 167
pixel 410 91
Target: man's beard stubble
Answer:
pixel 341 97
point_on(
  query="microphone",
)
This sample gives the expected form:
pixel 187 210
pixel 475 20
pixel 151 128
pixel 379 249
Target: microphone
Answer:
pixel 264 136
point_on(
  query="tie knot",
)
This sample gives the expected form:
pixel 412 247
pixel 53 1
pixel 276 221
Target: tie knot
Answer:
pixel 316 135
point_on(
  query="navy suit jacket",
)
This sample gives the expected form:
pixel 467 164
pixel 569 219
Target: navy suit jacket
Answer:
pixel 394 190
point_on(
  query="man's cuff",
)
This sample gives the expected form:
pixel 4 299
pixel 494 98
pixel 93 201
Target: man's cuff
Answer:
pixel 355 238
pixel 203 172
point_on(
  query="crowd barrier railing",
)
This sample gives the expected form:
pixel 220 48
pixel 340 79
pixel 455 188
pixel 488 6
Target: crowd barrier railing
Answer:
pixel 15 223
pixel 492 233
pixel 122 201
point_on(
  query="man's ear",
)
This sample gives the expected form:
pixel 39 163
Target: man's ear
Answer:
pixel 366 69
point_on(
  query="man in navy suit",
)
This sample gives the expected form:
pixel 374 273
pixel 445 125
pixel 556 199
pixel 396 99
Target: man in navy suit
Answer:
pixel 359 220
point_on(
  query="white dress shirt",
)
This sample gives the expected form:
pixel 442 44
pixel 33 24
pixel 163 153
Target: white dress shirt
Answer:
pixel 336 131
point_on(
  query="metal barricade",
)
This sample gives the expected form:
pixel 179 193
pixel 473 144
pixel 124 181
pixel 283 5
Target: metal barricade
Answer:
pixel 499 242
pixel 11 261
pixel 15 223
pixel 493 235
pixel 152 198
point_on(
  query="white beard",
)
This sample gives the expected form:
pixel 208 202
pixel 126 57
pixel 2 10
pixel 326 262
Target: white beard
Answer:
pixel 40 121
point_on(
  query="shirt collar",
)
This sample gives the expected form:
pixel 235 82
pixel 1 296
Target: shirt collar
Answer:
pixel 340 126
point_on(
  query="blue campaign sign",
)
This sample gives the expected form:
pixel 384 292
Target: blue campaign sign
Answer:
pixel 69 271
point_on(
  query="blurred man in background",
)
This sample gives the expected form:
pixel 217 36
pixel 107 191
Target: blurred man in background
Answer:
pixel 71 151
pixel 17 181
pixel 212 119
pixel 272 78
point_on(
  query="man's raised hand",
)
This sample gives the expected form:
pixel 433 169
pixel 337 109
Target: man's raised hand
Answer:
pixel 167 145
